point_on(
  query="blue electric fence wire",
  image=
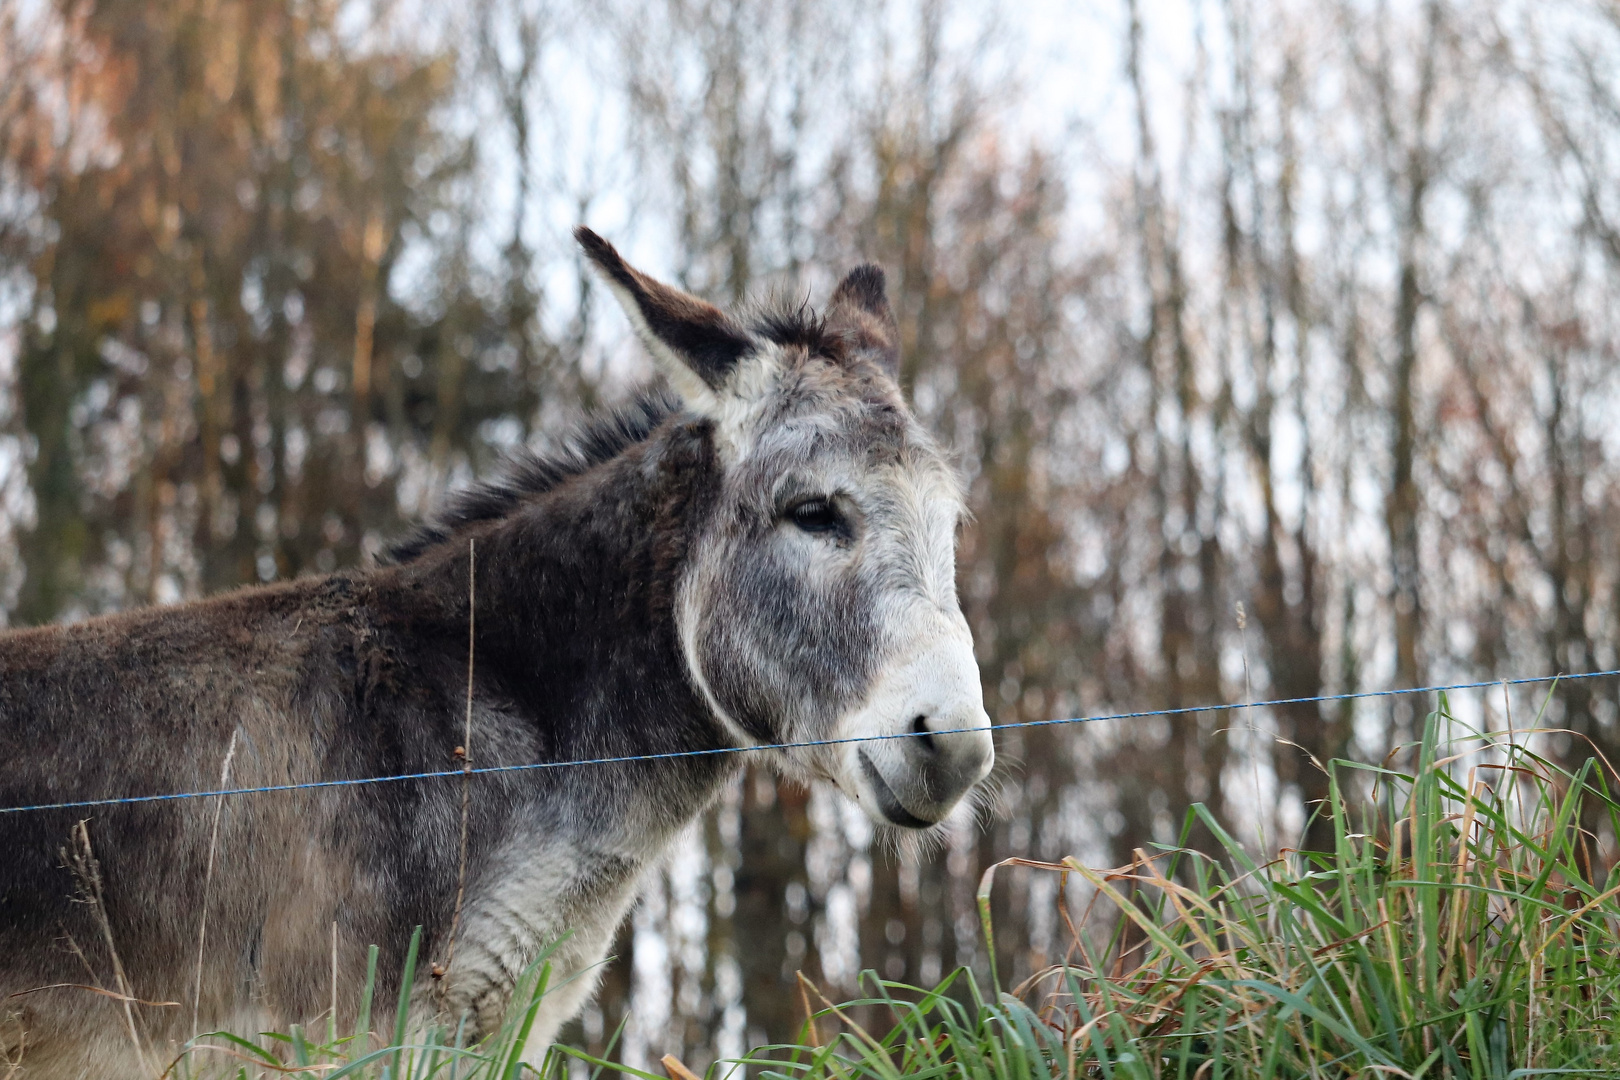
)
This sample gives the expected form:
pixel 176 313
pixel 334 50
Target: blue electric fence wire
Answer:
pixel 356 782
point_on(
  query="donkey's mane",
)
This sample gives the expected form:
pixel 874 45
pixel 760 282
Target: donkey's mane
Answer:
pixel 787 322
pixel 525 473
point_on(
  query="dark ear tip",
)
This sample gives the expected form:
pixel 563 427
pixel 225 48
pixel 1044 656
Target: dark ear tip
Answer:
pixel 870 275
pixel 594 246
pixel 605 256
pixel 865 285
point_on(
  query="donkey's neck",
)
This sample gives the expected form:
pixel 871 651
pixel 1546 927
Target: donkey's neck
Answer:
pixel 575 592
pixel 577 657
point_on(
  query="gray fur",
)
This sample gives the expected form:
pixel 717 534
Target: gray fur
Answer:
pixel 668 584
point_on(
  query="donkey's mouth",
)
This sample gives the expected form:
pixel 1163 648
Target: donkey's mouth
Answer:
pixel 887 801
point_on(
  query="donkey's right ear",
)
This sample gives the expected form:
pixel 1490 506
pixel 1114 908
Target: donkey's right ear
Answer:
pixel 860 313
pixel 694 342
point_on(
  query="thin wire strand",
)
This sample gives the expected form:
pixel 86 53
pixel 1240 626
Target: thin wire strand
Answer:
pixel 718 750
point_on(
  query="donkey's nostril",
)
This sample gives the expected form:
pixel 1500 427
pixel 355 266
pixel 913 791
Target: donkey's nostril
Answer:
pixel 924 737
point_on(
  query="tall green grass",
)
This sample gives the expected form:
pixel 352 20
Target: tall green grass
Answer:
pixel 1461 927
pixel 437 1052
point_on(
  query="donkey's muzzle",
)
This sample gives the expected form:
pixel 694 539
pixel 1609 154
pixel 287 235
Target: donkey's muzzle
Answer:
pixel 939 762
pixel 921 740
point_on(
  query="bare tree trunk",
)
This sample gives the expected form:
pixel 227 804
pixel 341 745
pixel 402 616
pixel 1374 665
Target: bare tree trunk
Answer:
pixel 1188 581
pixel 1285 596
pixel 1411 182
pixel 772 927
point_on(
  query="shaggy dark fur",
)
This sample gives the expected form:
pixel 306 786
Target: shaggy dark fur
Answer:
pixel 585 564
pixel 526 474
pixel 358 674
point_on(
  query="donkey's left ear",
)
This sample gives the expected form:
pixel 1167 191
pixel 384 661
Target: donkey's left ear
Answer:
pixel 695 344
pixel 860 314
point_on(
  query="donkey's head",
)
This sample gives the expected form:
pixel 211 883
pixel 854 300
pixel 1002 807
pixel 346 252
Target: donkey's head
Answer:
pixel 821 602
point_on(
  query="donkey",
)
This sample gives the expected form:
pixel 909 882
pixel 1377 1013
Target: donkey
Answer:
pixel 762 554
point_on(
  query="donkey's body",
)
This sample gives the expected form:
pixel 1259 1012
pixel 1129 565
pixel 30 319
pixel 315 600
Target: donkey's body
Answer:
pixel 609 589
pixel 354 676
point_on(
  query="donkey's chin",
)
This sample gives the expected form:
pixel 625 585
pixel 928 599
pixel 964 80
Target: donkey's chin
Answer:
pixel 921 740
pixel 886 807
pixel 894 791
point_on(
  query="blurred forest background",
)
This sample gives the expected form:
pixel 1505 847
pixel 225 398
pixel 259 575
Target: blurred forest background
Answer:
pixel 1278 339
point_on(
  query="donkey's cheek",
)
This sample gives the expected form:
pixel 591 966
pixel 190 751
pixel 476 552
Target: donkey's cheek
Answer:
pixel 740 681
pixel 783 654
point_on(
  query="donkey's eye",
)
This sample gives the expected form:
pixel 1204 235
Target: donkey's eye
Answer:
pixel 816 515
